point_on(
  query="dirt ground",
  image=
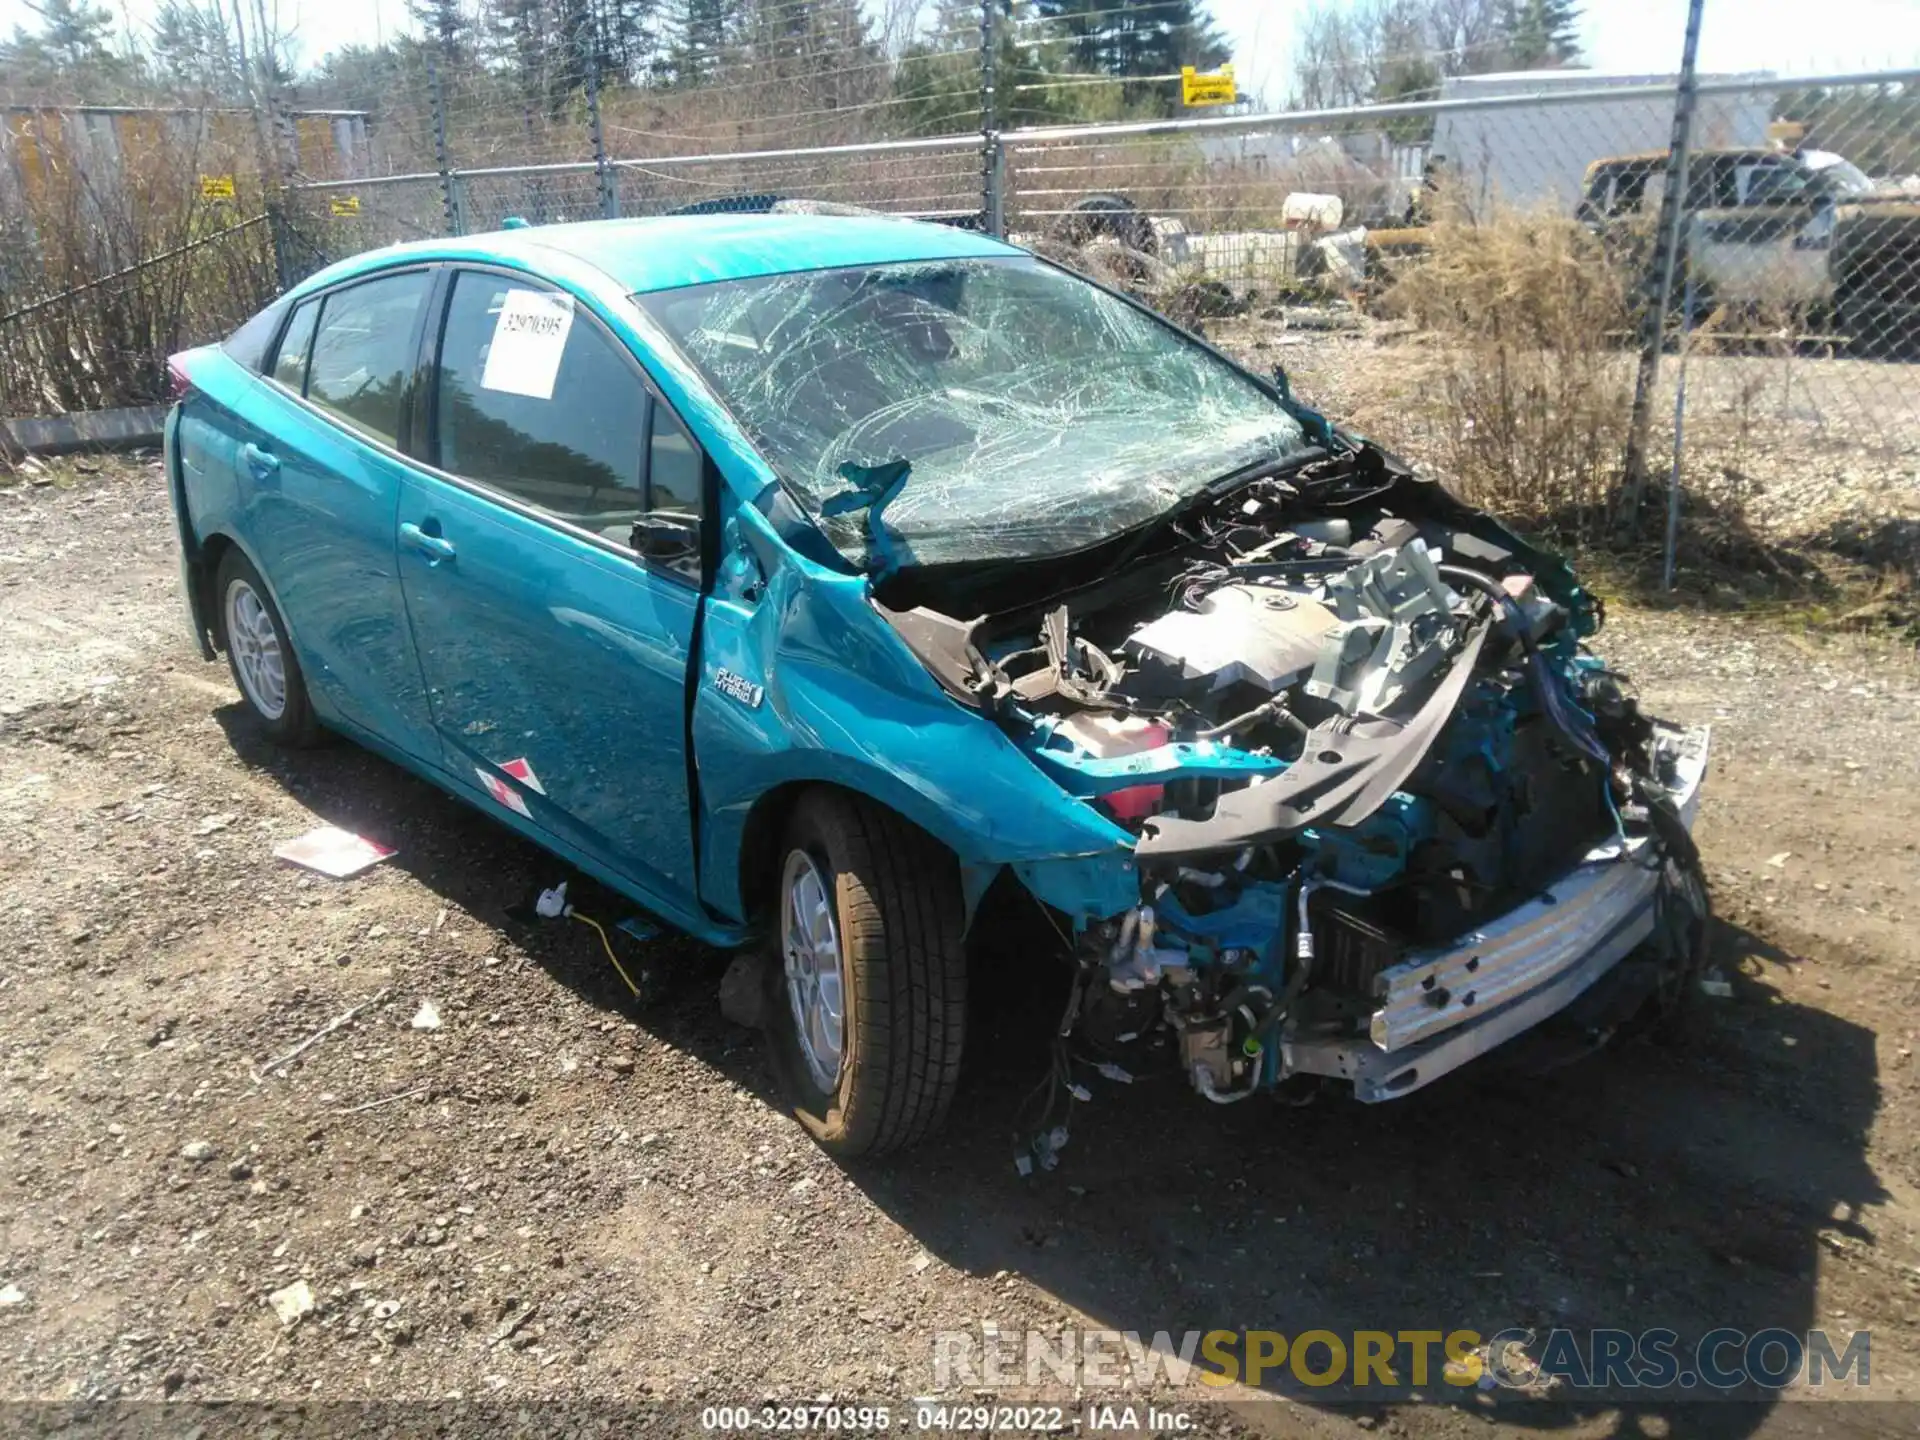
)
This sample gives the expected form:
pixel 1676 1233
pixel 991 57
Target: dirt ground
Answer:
pixel 557 1195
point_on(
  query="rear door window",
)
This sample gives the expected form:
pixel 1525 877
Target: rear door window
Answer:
pixel 363 352
pixel 290 365
pixel 252 342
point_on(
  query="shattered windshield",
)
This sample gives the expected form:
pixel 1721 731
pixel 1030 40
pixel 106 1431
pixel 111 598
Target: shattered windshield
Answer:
pixel 1035 413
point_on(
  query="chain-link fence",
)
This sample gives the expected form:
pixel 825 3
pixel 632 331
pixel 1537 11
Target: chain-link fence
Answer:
pixel 1470 278
pixel 1393 256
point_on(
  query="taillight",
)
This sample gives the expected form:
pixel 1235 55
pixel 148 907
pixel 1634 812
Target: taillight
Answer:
pixel 178 383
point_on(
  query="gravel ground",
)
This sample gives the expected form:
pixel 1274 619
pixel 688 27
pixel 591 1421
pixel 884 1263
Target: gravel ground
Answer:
pixel 555 1194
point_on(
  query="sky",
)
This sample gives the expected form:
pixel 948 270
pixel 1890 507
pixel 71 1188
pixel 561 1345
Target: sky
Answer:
pixel 1633 35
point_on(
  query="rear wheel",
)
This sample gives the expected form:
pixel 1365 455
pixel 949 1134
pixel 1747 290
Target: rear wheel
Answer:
pixel 866 1003
pixel 260 656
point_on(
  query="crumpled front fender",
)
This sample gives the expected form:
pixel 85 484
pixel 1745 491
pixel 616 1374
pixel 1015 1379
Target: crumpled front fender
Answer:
pixel 801 680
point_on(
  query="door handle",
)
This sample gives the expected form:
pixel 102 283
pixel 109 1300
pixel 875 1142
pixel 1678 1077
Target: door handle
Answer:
pixel 435 547
pixel 262 463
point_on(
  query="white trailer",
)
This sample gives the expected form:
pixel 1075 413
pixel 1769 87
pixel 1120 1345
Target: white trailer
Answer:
pixel 1529 155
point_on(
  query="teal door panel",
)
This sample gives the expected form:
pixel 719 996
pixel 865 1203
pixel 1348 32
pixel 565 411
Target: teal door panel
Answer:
pixel 556 670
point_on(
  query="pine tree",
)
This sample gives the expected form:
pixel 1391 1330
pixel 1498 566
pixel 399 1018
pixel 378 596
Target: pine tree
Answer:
pixel 937 85
pixel 809 59
pixel 697 32
pixel 371 77
pixel 71 47
pixel 190 49
pixel 1130 38
pixel 1540 34
pixel 519 44
pixel 446 25
pixel 627 41
pixel 76 33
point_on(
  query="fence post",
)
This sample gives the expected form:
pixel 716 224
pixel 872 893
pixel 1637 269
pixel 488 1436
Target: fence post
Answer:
pixel 280 240
pixel 993 156
pixel 449 186
pixel 1666 255
pixel 1672 546
pixel 603 175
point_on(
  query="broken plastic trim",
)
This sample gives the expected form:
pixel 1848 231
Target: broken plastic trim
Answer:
pixel 874 488
pixel 1087 775
pixel 1345 772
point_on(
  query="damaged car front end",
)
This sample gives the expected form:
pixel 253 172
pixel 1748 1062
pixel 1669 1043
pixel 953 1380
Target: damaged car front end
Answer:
pixel 1375 807
pixel 1388 810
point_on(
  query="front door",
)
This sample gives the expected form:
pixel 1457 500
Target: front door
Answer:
pixel 1771 246
pixel 555 657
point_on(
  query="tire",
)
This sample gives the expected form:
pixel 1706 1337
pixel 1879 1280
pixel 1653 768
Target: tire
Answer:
pixel 1101 213
pixel 892 895
pixel 263 664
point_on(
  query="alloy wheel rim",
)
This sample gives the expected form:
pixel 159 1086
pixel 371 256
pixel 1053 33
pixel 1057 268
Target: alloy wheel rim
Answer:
pixel 255 646
pixel 810 952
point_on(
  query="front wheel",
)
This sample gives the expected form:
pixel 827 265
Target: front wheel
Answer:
pixel 866 1003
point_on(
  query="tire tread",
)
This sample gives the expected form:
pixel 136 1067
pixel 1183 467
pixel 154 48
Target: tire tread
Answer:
pixel 904 936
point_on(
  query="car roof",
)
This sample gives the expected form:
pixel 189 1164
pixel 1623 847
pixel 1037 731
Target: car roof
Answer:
pixel 1659 157
pixel 670 251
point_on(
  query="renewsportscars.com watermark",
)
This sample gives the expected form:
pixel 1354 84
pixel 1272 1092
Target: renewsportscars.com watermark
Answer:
pixel 1723 1361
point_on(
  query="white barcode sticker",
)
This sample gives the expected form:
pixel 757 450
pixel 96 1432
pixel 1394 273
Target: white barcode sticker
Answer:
pixel 528 340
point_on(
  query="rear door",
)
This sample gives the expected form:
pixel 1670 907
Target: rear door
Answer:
pixel 555 656
pixel 319 468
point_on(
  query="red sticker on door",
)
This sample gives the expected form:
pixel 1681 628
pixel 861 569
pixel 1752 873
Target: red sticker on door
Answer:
pixel 503 792
pixel 522 771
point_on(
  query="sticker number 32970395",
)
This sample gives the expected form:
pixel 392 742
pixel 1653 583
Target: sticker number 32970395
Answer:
pixel 528 340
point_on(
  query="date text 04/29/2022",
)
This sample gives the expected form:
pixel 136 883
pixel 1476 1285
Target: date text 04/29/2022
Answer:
pixel 944 1417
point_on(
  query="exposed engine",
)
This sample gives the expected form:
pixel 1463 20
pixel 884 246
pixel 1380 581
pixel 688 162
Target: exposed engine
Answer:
pixel 1347 723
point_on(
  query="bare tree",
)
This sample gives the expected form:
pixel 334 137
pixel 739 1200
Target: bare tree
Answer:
pixel 1369 50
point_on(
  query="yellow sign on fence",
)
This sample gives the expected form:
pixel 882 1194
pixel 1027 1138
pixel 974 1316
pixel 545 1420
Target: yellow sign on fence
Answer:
pixel 216 187
pixel 346 206
pixel 1214 89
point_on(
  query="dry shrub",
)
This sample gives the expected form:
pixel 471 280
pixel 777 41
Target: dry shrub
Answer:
pixel 1528 391
pixel 113 267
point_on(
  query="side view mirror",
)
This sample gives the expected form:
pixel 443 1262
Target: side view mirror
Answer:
pixel 661 535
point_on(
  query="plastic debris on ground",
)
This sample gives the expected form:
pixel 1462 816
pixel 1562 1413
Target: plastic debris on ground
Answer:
pixel 293 1302
pixel 1046 1148
pixel 333 852
pixel 1716 985
pixel 636 928
pixel 427 1017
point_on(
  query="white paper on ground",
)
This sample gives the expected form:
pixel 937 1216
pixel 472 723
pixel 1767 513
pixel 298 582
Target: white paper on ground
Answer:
pixel 528 340
pixel 332 851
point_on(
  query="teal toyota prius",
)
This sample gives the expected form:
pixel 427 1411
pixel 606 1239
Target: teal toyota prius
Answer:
pixel 806 577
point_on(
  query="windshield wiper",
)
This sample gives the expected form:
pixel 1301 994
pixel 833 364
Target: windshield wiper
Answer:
pixel 1216 490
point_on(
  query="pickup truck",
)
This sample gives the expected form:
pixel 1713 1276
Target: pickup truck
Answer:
pixel 1805 232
